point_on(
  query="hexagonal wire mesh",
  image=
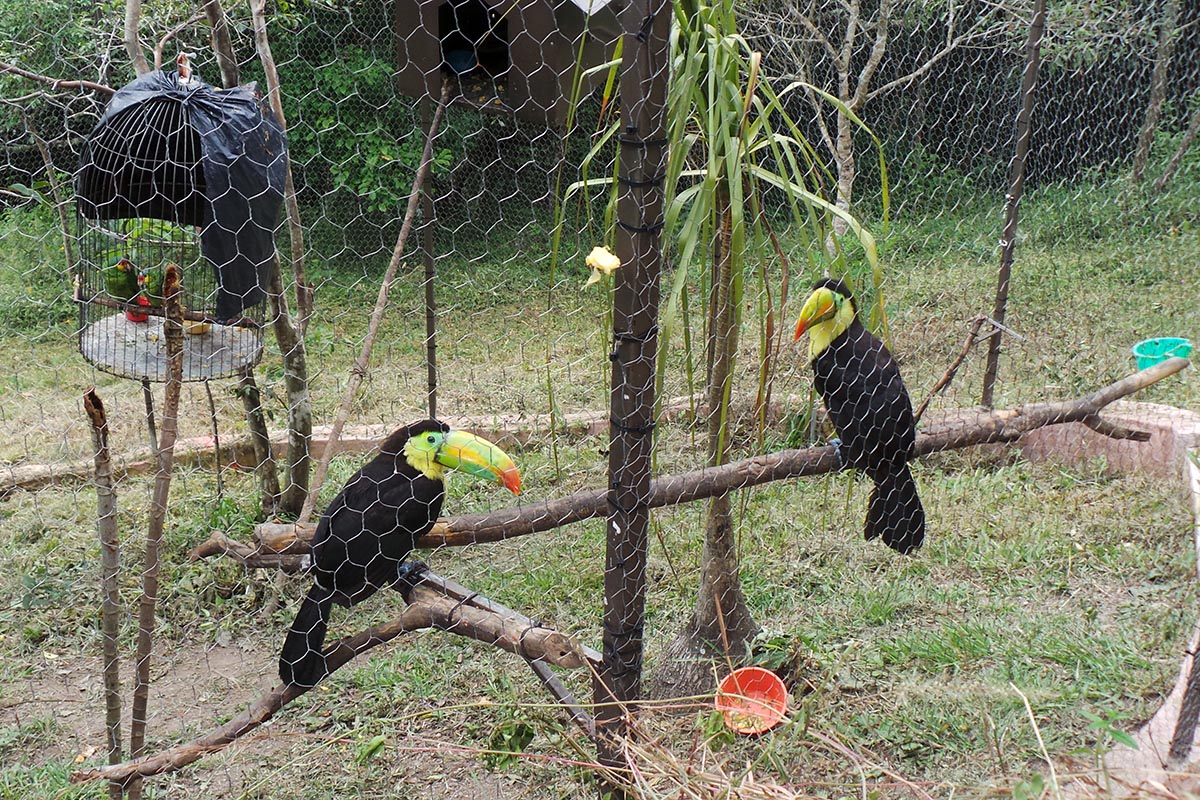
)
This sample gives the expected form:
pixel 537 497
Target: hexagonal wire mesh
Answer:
pixel 522 352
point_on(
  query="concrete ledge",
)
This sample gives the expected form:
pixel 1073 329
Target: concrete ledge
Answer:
pixel 1173 431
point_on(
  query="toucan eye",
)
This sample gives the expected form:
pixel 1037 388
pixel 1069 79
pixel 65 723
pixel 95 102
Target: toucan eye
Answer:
pixel 431 439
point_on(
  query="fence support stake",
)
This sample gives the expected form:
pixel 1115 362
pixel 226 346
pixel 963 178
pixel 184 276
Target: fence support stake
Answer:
pixel 638 239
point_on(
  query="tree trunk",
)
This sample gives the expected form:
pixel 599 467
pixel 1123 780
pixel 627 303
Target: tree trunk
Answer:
pixel 133 44
pixel 288 332
pixel 1012 200
pixel 264 459
pixel 1167 38
pixel 299 409
pixel 160 496
pixel 222 44
pixel 617 685
pixel 1189 138
pixel 847 170
pixel 110 573
pixel 721 624
pixel 262 43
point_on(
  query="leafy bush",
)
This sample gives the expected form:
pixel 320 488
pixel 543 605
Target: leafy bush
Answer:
pixel 350 131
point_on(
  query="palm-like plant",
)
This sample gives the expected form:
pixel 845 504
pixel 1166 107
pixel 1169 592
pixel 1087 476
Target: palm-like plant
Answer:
pixel 732 146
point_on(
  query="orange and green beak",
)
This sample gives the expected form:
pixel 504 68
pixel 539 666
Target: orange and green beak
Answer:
pixel 477 456
pixel 821 305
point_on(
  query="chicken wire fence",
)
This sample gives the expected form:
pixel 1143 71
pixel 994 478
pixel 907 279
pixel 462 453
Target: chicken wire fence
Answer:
pixel 497 322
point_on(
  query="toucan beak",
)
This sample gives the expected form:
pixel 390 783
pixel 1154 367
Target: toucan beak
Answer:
pixel 477 456
pixel 818 308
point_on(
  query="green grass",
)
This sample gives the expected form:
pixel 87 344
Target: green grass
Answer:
pixel 1069 584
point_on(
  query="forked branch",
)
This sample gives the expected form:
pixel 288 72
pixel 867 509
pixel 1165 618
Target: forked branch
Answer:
pixel 434 602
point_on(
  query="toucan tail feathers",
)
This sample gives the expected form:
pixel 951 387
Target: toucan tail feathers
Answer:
pixel 302 660
pixel 894 512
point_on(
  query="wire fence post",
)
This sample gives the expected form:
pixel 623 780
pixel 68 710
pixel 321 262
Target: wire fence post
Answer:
pixel 643 150
pixel 1012 201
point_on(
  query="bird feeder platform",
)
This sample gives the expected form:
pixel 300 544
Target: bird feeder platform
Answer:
pixel 123 347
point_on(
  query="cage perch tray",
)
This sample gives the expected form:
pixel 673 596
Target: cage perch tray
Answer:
pixel 139 349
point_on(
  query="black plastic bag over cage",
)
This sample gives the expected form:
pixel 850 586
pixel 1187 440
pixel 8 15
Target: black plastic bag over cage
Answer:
pixel 177 171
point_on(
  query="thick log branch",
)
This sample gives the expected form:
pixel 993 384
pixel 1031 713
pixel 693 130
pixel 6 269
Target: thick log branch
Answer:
pixel 434 602
pixel 982 427
pixel 960 429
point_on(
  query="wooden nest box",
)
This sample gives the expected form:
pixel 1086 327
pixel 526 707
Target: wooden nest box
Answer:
pixel 514 56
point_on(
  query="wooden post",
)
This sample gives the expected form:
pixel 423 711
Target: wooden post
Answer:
pixel 110 574
pixel 1012 200
pixel 643 151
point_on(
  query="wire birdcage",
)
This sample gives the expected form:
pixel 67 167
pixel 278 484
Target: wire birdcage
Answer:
pixel 177 172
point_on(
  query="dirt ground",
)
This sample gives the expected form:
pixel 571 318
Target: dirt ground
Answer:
pixel 195 690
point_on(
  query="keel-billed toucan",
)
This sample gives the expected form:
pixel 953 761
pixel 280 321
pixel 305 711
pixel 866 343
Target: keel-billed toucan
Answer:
pixel 860 383
pixel 370 527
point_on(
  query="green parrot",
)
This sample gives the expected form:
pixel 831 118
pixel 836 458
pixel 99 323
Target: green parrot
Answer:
pixel 121 279
pixel 150 282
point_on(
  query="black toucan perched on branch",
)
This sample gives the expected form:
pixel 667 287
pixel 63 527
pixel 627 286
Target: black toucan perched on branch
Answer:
pixel 860 383
pixel 370 527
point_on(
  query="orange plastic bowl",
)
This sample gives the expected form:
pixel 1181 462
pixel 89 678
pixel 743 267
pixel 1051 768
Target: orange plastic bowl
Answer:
pixel 752 700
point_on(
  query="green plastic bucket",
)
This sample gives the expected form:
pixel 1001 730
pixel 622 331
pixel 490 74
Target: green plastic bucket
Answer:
pixel 1152 351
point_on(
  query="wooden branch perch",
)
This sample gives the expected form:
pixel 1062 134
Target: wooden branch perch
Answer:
pixel 56 83
pixel 434 602
pixel 281 545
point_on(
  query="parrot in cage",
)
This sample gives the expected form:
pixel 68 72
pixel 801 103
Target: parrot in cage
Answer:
pixel 367 532
pixel 120 278
pixel 150 284
pixel 860 383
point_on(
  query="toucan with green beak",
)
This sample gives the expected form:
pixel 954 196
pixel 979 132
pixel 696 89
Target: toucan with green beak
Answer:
pixel 367 532
pixel 860 383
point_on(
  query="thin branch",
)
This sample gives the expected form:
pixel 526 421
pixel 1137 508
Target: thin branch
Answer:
pixel 171 34
pixel 1112 430
pixel 56 83
pixel 819 105
pixel 359 369
pixel 1176 160
pixel 110 565
pixel 977 31
pixel 817 34
pixel 434 602
pixel 944 381
pixel 56 191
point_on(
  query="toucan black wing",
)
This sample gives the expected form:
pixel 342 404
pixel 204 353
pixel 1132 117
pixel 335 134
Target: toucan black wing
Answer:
pixel 371 526
pixel 866 399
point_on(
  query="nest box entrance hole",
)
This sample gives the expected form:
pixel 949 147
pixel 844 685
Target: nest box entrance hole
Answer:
pixel 474 38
